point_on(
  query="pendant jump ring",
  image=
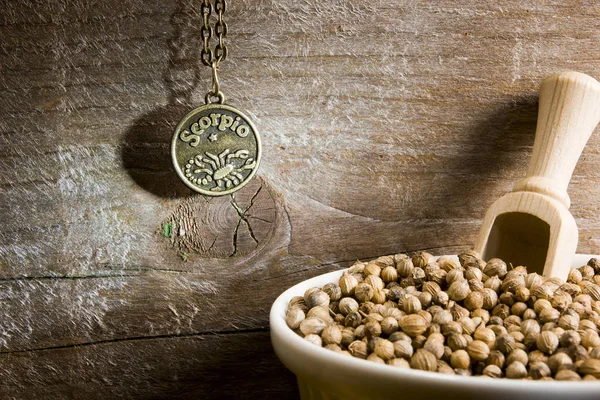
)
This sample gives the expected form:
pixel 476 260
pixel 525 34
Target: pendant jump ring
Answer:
pixel 216 91
pixel 218 95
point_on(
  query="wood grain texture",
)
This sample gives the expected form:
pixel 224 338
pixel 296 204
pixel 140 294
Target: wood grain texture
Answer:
pixel 388 126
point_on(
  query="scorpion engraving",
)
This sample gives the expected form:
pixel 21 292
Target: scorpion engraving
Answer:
pixel 224 170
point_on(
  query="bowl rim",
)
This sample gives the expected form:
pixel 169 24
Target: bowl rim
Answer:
pixel 283 334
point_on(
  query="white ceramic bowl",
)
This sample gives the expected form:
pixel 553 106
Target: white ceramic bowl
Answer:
pixel 324 374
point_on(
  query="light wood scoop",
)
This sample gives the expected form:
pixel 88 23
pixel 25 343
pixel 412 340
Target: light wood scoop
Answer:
pixel 532 225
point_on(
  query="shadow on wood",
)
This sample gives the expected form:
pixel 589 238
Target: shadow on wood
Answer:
pixel 145 152
pixel 497 147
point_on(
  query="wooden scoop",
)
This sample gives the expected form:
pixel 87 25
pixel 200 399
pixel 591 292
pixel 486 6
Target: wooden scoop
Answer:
pixel 532 225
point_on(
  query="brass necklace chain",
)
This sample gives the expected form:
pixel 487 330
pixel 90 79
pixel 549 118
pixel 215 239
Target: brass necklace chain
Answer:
pixel 209 56
pixel 212 58
pixel 216 149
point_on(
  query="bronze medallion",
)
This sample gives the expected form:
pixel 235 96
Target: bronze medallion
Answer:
pixel 216 149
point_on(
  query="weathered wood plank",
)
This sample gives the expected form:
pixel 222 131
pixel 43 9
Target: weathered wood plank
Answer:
pixel 38 313
pixel 232 366
pixel 410 105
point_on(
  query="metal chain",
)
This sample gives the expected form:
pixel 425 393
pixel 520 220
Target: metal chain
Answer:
pixel 206 32
pixel 212 58
pixel 220 31
pixel 208 55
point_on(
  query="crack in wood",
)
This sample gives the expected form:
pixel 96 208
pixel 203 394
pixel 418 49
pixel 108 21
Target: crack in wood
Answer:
pixel 243 218
pixel 65 277
pixel 200 226
pixel 138 338
pixel 153 269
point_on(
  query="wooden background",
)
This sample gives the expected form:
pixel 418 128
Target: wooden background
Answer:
pixel 388 126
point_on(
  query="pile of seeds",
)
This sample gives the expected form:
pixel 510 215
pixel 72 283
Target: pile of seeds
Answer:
pixel 464 317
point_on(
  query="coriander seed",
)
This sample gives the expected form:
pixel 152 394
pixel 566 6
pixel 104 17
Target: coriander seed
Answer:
pixel 522 294
pixel 493 283
pixel 347 284
pixel 485 335
pixel 559 361
pixel 375 281
pixel 353 319
pixel 590 339
pixel 347 336
pixel 567 375
pixel 379 297
pixel 493 371
pixel 333 291
pixel 413 325
pixel 389 325
pixel 389 274
pixel 547 342
pixel 519 355
pixel 294 317
pixel 460 359
pixel 363 292
pixel 358 349
pixel 398 362
pixel 549 315
pixel 454 276
pixel 421 258
pixel 496 358
pixel 372 329
pixel 537 356
pixel 317 298
pixel 516 370
pixel 411 304
pixel 478 350
pixel 375 358
pixel 298 302
pixel 435 347
pixel 372 269
pixel 418 341
pixel 539 370
pixel 423 360
pixel 425 299
pixel 404 267
pixel 384 349
pixel 458 290
pixel 448 263
pixel 333 347
pixel 321 313
pixel 400 336
pixel 314 339
pixel 570 338
pixel 456 341
pixel 347 305
pixel 403 349
pixel 474 300
pixel 332 334
pixel 312 326
pixel 441 299
pixel 495 267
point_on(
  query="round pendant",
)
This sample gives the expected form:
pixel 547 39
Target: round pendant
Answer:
pixel 216 149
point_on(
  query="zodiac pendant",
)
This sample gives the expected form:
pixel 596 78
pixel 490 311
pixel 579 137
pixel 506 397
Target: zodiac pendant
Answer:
pixel 216 149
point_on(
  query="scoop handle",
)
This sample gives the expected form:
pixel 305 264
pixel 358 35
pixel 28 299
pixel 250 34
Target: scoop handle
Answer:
pixel 569 110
